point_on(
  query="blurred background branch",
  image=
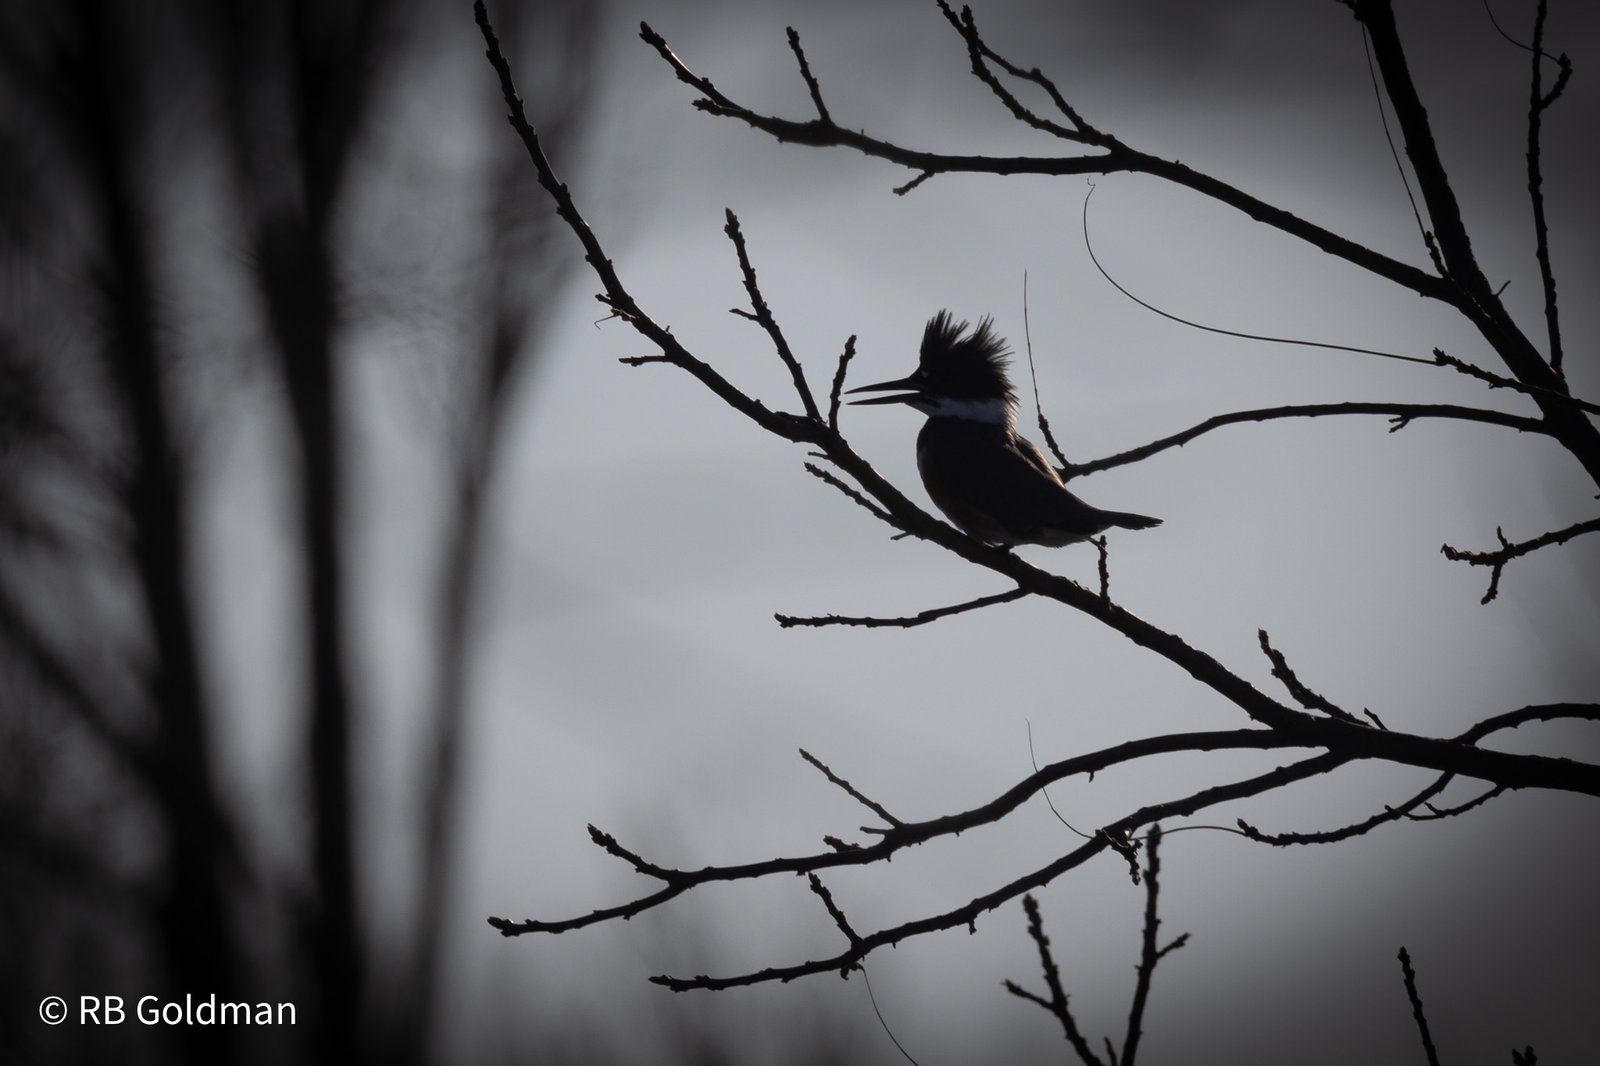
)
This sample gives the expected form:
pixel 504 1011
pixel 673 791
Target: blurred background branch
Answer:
pixel 216 220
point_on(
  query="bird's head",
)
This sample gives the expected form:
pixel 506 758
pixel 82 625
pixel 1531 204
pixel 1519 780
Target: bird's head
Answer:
pixel 961 374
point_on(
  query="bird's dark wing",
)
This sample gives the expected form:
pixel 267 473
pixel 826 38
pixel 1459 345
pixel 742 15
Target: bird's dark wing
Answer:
pixel 1035 457
pixel 999 487
pixel 1073 517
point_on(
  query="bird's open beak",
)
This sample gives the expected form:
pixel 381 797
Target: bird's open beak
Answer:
pixel 912 392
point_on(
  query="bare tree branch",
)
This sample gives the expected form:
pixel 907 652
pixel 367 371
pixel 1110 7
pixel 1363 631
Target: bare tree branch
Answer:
pixel 1538 103
pixel 1400 415
pixel 904 834
pixel 967 914
pixel 763 315
pixel 1057 1003
pixel 1102 546
pixel 811 79
pixel 1497 559
pixel 1329 836
pixel 833 910
pixel 833 479
pixel 1303 695
pixel 1416 1008
pixel 615 295
pixel 1436 813
pixel 1475 298
pixel 1149 954
pixel 851 790
pixel 1120 158
pixel 921 618
pixel 1538 712
pixel 1394 153
pixel 979 52
pixel 908 834
pixel 1546 712
pixel 845 356
pixel 1033 379
pixel 1542 393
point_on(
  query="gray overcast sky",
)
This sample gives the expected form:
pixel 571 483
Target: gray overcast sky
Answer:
pixel 631 674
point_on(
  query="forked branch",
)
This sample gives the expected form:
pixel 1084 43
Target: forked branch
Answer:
pixel 1056 1003
pixel 1117 157
pixel 1497 558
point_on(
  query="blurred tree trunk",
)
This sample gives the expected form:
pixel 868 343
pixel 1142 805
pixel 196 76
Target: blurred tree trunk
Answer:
pixel 115 112
pixel 191 911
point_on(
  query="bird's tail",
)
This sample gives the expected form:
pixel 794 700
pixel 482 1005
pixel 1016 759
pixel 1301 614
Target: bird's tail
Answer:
pixel 1131 521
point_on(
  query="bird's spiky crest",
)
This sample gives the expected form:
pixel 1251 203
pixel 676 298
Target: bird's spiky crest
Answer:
pixel 951 353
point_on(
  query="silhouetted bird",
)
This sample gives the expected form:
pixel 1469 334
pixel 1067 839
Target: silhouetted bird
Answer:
pixel 988 479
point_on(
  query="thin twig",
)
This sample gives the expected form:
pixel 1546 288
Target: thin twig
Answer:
pixel 1124 843
pixel 833 479
pixel 1497 381
pixel 1034 760
pixel 608 843
pixel 1394 153
pixel 1399 414
pixel 1105 566
pixel 1044 423
pixel 1416 1008
pixel 922 618
pixel 979 51
pixel 763 315
pixel 1544 712
pixel 1537 104
pixel 805 72
pixel 1095 259
pixel 851 790
pixel 838 382
pixel 1329 836
pixel 1537 712
pixel 901 190
pixel 615 295
pixel 1435 813
pixel 873 999
pixel 1149 953
pixel 510 927
pixel 1489 10
pixel 1302 694
pixel 1536 107
pixel 1499 557
pixel 833 910
pixel 1057 1004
